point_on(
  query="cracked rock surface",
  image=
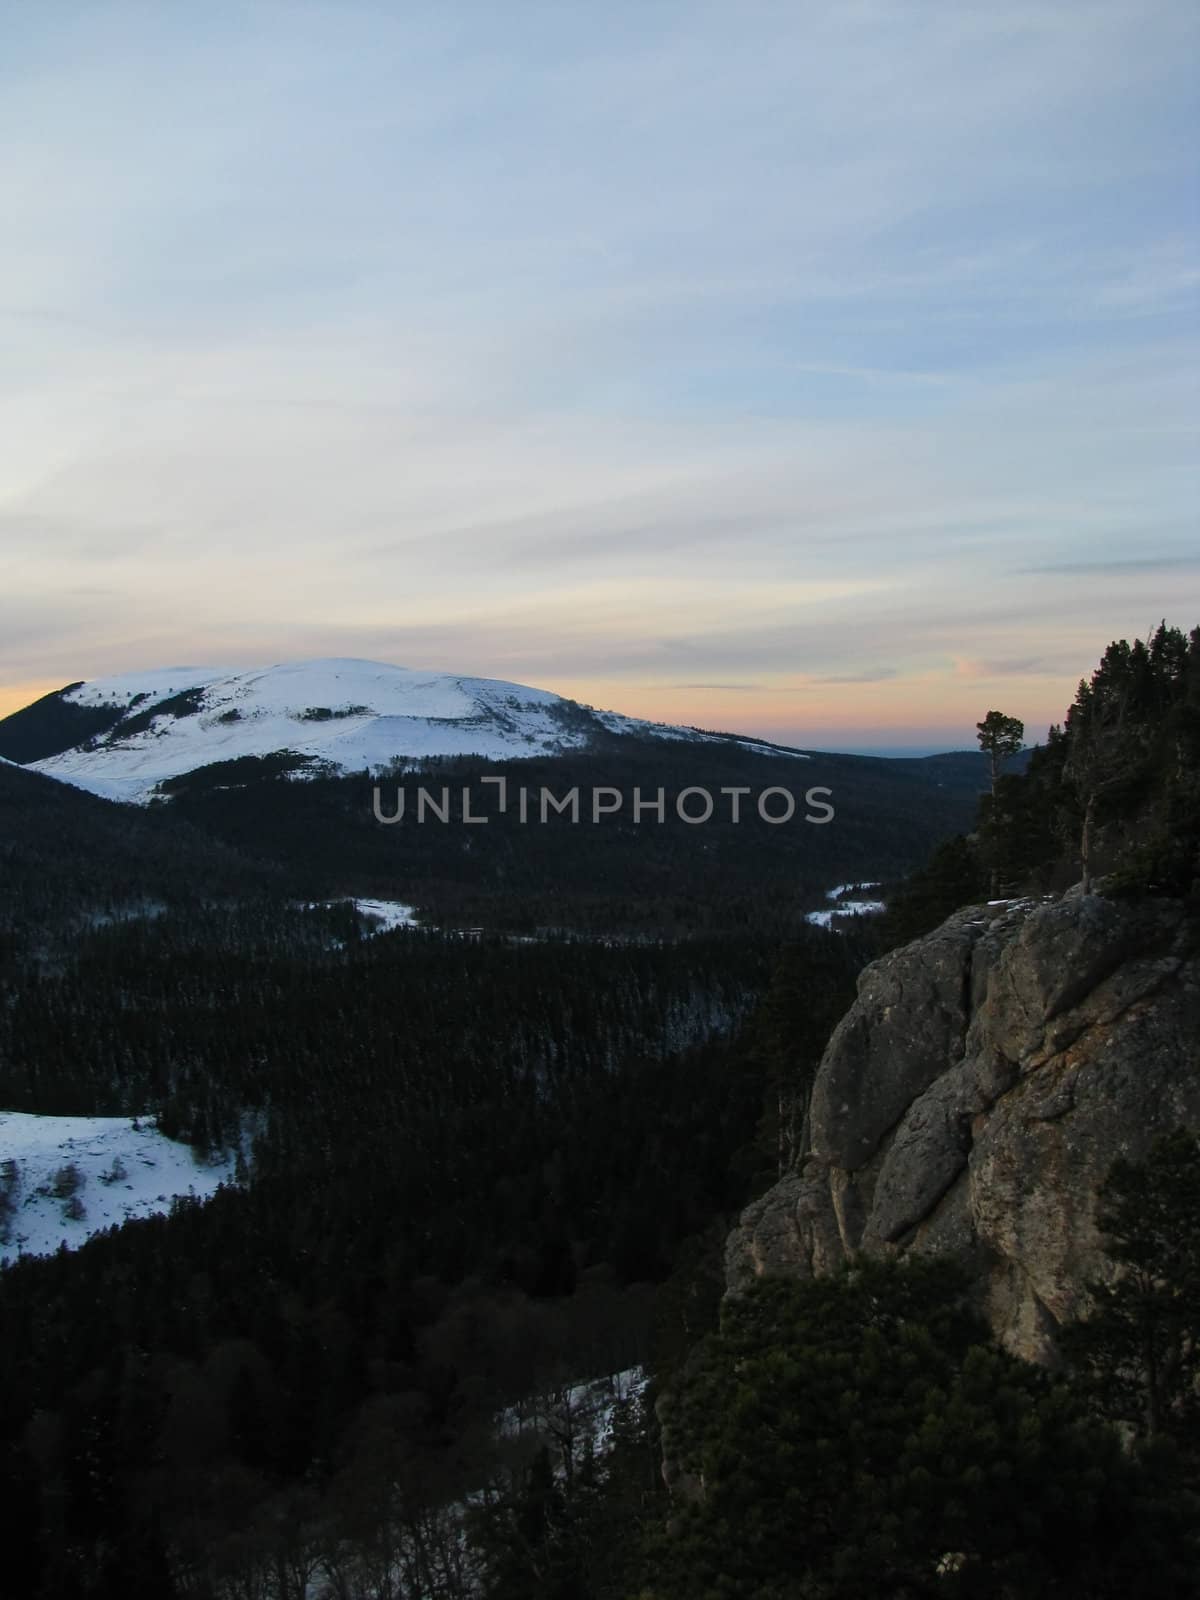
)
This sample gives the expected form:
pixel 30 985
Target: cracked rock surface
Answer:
pixel 974 1097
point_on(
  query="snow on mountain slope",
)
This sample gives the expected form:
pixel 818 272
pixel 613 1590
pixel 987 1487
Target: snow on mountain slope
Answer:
pixel 345 714
pixel 145 687
pixel 71 1177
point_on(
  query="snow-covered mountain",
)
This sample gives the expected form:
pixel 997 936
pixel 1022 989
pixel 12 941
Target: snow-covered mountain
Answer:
pixel 120 737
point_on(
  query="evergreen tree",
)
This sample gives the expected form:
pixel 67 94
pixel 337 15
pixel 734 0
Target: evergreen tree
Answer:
pixel 1140 1346
pixel 999 737
pixel 811 989
pixel 856 1435
pixel 1114 792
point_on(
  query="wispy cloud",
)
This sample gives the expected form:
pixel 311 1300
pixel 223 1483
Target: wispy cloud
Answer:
pixel 1011 667
pixel 1121 566
pixel 867 675
pixel 734 688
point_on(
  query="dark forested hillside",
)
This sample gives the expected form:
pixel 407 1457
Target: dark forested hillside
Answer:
pixel 67 857
pixel 52 724
pixel 612 875
pixel 256 823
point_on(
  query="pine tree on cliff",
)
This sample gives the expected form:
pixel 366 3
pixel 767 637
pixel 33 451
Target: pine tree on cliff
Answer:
pixel 1103 749
pixel 1115 788
pixel 1132 753
pixel 999 738
pixel 1140 1348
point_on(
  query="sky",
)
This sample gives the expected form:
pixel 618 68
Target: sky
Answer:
pixel 825 372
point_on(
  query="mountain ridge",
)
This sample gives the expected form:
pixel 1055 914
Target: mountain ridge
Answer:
pixel 123 736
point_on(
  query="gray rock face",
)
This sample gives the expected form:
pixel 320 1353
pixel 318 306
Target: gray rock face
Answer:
pixel 973 1099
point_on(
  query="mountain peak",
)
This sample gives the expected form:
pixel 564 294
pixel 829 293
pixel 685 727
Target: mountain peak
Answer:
pixel 122 736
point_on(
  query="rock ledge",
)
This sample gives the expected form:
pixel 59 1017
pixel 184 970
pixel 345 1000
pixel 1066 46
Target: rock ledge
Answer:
pixel 974 1097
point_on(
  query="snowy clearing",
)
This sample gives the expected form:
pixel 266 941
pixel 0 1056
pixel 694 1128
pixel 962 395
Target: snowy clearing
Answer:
pixel 840 909
pixel 575 1419
pixel 66 1178
pixel 388 914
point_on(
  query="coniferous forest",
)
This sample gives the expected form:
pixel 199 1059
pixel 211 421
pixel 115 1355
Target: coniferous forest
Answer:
pixel 462 1297
pixel 471 1172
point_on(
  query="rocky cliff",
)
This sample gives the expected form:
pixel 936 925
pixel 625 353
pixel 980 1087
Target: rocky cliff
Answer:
pixel 975 1095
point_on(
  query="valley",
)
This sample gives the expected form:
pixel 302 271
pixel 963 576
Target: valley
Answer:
pixel 385 1153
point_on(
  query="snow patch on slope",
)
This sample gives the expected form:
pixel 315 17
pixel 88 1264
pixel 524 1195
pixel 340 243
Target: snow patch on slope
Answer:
pixel 843 908
pixel 387 914
pixel 617 722
pixel 575 1420
pixel 123 1171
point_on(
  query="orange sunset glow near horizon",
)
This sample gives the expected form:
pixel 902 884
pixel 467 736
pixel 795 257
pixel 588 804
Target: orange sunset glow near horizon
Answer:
pixel 934 706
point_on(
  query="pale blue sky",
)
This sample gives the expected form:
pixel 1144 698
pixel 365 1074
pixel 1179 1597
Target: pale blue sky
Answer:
pixel 825 371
